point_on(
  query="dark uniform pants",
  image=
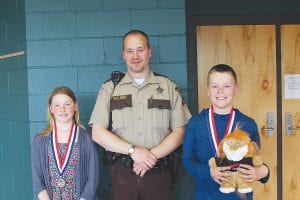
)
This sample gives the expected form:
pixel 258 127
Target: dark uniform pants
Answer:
pixel 156 184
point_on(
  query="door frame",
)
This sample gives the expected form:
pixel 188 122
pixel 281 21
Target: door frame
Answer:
pixel 191 38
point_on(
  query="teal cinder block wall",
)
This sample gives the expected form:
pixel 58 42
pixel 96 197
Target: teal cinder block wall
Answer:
pixel 15 171
pixel 77 44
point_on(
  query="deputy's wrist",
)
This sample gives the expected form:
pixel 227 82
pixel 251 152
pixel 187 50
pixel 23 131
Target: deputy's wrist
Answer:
pixel 131 150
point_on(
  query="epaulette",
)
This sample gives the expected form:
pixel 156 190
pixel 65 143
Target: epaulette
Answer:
pixel 157 74
pixel 107 80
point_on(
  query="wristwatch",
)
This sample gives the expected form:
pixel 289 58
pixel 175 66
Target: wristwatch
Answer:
pixel 131 150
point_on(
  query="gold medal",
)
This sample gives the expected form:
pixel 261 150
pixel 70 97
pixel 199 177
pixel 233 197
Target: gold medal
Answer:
pixel 61 183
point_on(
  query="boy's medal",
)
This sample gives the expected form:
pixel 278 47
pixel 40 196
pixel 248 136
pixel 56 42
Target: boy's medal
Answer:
pixel 213 129
pixel 61 161
pixel 61 183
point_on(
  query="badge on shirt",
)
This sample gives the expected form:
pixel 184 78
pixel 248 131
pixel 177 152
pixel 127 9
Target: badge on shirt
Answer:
pixel 159 90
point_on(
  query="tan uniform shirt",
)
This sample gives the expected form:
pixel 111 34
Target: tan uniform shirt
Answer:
pixel 142 115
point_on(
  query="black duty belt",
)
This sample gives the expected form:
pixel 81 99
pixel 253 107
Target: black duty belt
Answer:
pixel 171 161
pixel 127 162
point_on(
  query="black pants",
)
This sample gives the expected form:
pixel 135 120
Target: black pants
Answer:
pixel 126 185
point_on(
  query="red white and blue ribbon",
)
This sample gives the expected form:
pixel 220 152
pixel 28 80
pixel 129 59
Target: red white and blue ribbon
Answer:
pixel 213 129
pixel 61 161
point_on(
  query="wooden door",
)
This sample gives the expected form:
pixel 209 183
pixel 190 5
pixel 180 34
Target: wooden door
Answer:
pixel 290 48
pixel 251 51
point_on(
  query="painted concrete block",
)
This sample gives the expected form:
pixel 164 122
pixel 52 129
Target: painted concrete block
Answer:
pixel 36 81
pixel 172 48
pixel 63 76
pixel 86 104
pixel 171 3
pixel 35 26
pixel 159 21
pixel 103 23
pixel 87 52
pixel 20 133
pixel 49 53
pixel 90 79
pixel 50 25
pixel 38 108
pixel 46 5
pixel 9 158
pixel 3 83
pixel 22 183
pixel 18 82
pixel 9 9
pixel 14 107
pixel 113 50
pixel 128 4
pixel 6 181
pixel 86 5
pixel 5 136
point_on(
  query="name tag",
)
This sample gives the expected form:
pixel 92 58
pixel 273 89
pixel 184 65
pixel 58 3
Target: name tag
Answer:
pixel 120 102
pixel 159 103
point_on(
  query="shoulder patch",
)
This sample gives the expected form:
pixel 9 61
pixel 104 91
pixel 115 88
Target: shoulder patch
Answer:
pixel 101 90
pixel 179 91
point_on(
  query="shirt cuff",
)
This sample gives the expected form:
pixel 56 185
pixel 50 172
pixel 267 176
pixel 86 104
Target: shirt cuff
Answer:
pixel 266 178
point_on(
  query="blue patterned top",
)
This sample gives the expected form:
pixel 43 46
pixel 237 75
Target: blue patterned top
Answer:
pixel 69 175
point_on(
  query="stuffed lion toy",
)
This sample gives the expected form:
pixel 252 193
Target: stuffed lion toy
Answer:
pixel 235 149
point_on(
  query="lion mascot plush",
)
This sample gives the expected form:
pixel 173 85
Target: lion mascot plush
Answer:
pixel 235 149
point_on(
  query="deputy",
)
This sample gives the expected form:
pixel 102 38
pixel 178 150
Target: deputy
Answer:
pixel 148 118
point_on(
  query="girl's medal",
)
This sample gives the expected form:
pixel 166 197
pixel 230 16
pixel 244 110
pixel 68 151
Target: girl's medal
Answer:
pixel 61 183
pixel 61 161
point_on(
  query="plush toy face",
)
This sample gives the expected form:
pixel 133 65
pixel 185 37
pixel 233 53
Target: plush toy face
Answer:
pixel 235 150
pixel 237 145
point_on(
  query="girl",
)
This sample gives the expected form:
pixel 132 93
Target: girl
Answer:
pixel 211 125
pixel 64 158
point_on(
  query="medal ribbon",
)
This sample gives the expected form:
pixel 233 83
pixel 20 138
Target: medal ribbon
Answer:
pixel 61 161
pixel 213 128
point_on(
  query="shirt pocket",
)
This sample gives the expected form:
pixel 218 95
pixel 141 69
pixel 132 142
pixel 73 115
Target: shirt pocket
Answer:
pixel 121 108
pixel 160 112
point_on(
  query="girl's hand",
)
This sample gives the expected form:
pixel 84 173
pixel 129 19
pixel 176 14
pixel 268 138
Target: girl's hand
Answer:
pixel 251 173
pixel 43 195
pixel 220 174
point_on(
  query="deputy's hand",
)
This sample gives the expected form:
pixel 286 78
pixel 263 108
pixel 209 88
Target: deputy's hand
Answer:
pixel 138 170
pixel 219 174
pixel 143 158
pixel 251 173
